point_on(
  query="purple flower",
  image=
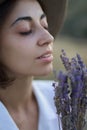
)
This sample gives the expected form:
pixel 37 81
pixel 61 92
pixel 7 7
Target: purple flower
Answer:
pixel 71 92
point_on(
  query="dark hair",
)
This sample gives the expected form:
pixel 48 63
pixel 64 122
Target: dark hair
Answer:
pixel 5 8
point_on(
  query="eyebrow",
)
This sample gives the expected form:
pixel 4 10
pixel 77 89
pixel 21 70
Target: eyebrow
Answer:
pixel 26 18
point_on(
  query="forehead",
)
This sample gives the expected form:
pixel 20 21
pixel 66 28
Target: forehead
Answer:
pixel 25 8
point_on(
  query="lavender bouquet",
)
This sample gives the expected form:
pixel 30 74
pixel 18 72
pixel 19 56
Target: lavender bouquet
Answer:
pixel 71 93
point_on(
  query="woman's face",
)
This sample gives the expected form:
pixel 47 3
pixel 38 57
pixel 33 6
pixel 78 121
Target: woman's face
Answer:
pixel 26 44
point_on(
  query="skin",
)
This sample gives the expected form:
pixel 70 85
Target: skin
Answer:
pixel 19 54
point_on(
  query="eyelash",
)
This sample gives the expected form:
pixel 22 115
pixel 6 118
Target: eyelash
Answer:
pixel 30 31
pixel 26 33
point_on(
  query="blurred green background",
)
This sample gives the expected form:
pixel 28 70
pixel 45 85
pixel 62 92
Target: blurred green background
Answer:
pixel 76 22
pixel 73 35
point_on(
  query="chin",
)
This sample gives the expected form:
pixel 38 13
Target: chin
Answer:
pixel 44 71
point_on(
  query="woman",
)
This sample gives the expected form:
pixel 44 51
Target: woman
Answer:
pixel 26 47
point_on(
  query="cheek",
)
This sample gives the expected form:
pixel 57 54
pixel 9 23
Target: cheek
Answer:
pixel 17 57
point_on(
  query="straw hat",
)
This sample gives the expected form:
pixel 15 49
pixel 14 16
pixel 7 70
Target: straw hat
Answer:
pixel 55 11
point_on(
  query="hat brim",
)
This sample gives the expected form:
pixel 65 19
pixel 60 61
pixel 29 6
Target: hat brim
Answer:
pixel 55 11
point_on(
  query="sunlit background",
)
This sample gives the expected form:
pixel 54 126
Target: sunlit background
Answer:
pixel 73 35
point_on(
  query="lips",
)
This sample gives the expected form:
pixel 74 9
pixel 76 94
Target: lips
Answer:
pixel 45 55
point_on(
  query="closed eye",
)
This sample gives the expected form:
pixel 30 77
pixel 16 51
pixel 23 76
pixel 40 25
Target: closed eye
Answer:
pixel 26 33
pixel 30 31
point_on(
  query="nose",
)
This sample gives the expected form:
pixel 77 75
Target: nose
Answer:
pixel 45 37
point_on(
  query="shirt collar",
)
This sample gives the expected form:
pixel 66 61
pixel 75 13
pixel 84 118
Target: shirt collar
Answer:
pixel 47 117
pixel 6 122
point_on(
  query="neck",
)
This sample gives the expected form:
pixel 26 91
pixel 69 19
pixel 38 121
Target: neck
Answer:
pixel 18 94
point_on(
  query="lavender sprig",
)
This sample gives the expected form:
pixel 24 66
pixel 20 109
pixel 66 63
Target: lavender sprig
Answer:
pixel 71 93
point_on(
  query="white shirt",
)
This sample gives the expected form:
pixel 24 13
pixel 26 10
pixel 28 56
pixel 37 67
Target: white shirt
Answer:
pixel 48 119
